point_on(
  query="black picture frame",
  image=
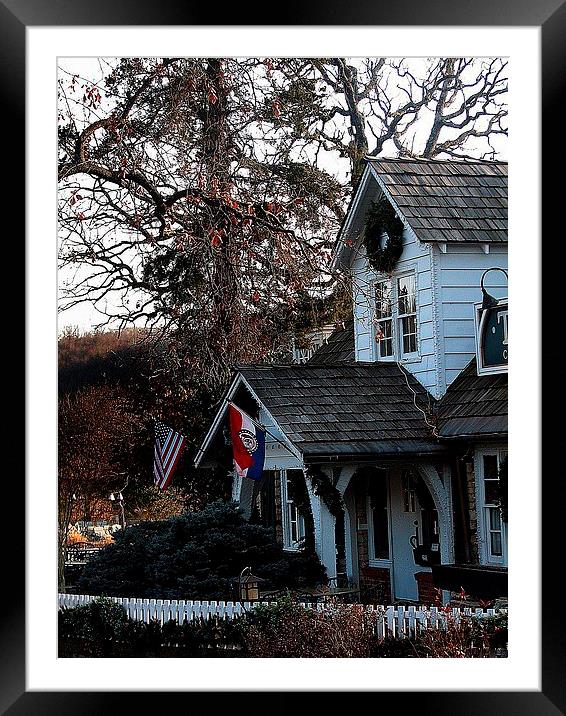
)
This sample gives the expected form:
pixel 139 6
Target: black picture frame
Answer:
pixel 550 15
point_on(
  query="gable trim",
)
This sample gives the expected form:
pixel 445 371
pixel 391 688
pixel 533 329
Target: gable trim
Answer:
pixel 292 448
pixel 393 203
pixel 219 417
pixel 352 209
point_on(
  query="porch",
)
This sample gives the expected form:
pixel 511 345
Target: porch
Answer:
pixel 377 526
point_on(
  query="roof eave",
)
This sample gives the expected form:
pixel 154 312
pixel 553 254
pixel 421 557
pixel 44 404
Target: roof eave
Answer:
pixel 474 436
pixel 217 419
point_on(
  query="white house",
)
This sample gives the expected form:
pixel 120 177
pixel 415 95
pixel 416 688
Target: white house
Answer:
pixel 391 413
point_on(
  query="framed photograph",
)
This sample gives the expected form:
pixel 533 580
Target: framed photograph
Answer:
pixel 414 226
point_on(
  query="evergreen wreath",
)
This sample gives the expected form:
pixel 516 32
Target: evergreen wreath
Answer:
pixel 381 218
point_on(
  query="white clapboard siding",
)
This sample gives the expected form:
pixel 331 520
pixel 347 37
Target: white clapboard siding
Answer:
pixel 448 285
pixel 417 257
pixel 397 622
pixel 459 274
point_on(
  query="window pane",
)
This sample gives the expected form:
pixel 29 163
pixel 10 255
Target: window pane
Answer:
pixel 385 342
pixel 406 289
pixel 491 492
pixel 301 527
pixel 383 299
pixel 293 523
pixel 490 467
pixel 409 492
pixel 409 333
pixel 495 518
pixel 496 550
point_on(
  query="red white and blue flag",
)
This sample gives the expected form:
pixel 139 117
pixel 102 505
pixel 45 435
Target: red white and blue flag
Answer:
pixel 168 449
pixel 248 444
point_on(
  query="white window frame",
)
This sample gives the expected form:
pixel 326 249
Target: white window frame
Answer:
pixel 399 317
pixel 396 317
pixel 288 511
pixel 374 561
pixel 390 320
pixel 483 528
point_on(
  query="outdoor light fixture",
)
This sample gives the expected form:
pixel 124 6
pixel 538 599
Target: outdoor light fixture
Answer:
pixel 249 585
pixel 117 500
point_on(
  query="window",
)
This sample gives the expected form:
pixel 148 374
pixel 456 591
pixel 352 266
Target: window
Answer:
pixel 409 486
pixel 264 499
pixel 407 316
pixel 384 319
pixel 293 521
pixel 395 317
pixel 379 516
pixel 493 533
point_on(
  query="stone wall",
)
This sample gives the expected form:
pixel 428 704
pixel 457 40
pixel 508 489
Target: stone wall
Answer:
pixel 429 595
pixel 472 511
pixel 278 509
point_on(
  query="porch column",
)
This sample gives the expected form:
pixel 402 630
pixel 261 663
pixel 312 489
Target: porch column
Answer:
pixel 324 532
pixel 350 522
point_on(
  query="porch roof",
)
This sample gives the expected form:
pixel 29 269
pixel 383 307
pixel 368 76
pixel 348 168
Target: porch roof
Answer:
pixel 474 405
pixel 348 409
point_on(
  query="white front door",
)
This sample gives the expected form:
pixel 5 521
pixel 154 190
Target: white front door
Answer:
pixel 405 519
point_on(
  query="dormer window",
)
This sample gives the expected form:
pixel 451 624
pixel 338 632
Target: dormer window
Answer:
pixel 384 318
pixel 395 322
pixel 407 319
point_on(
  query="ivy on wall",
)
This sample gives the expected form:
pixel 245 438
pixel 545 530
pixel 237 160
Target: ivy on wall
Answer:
pixel 298 493
pixel 381 218
pixel 502 489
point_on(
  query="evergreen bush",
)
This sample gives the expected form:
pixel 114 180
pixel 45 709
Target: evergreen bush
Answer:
pixel 196 555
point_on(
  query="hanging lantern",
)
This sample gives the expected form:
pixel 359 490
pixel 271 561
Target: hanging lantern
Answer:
pixel 248 585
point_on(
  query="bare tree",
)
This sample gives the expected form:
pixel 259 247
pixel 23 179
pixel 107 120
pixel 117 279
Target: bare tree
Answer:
pixel 183 204
pixel 94 424
pixel 202 195
pixel 439 108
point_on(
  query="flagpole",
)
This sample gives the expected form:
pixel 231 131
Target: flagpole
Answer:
pixel 262 427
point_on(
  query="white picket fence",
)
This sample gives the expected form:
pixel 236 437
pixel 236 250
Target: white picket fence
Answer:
pixel 392 621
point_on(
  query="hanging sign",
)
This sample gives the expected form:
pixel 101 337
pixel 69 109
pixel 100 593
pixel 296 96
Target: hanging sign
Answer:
pixel 492 324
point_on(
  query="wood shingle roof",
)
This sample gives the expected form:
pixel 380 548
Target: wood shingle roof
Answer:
pixel 473 405
pixel 446 201
pixel 348 409
pixel 338 349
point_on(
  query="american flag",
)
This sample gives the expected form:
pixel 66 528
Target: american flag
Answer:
pixel 168 449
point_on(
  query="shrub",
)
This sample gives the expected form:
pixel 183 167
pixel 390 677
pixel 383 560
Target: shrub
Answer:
pixel 287 629
pixel 497 630
pixel 102 629
pixel 284 629
pixel 195 556
pixel 94 628
pixel 460 639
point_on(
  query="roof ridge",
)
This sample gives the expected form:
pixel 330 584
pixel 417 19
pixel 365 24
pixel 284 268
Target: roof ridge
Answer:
pixel 321 366
pixel 423 160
